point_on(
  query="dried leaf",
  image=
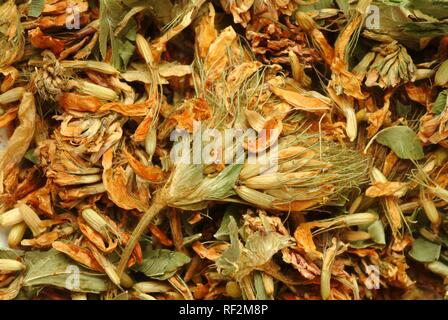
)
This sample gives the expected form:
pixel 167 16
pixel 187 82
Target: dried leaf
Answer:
pixel 424 250
pixel 35 8
pixel 441 77
pixel 161 264
pixel 223 231
pixel 441 103
pixel 111 13
pixel 53 268
pixel 376 231
pixel 402 140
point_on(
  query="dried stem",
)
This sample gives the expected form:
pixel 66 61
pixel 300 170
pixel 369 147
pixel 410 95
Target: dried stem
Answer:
pixel 158 205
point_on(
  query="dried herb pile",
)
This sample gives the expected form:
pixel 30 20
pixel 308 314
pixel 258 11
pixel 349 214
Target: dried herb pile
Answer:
pixel 353 97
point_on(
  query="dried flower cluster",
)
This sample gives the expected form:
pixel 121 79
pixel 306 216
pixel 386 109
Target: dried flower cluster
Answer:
pixel 96 205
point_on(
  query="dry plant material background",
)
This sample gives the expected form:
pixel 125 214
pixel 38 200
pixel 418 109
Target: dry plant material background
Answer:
pixel 90 92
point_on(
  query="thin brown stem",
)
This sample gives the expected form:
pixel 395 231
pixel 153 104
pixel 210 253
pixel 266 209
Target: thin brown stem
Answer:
pixel 157 206
pixel 176 229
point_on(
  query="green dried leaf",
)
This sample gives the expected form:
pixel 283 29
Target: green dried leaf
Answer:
pixel 162 264
pixel 440 104
pixel 35 8
pixel 441 77
pixel 424 250
pixel 223 231
pixel 376 231
pixel 435 8
pixel 10 254
pixel 362 244
pixel 343 5
pixel 111 13
pixel 403 141
pixel 52 268
pixel 228 260
pixel 403 110
pixel 444 239
pixel 190 239
pixel 131 30
pixel 398 21
pixel 127 49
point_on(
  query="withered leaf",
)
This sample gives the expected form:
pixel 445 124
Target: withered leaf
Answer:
pixel 441 102
pixel 223 231
pixel 162 264
pixel 35 8
pixel 424 250
pixel 403 141
pixel 52 268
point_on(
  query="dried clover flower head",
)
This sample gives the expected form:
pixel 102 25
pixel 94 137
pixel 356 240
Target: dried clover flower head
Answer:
pixel 12 40
pixel 51 78
pixel 387 65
